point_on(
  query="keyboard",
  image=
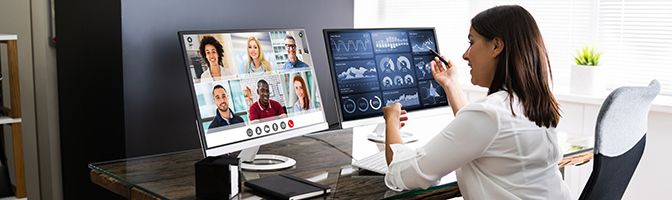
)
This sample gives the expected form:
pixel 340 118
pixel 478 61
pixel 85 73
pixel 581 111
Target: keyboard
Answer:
pixel 375 163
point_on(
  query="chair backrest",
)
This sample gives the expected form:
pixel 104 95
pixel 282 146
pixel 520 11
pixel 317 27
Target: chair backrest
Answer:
pixel 620 137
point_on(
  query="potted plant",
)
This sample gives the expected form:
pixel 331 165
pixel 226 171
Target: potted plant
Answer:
pixel 586 75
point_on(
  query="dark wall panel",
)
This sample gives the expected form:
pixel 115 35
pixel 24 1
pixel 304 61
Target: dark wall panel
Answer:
pixel 158 106
pixel 90 88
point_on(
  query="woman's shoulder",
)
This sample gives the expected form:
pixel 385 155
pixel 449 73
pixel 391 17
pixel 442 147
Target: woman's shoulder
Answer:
pixel 494 99
pixel 491 104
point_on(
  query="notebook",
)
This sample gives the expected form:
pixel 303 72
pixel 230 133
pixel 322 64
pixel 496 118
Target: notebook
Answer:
pixel 285 186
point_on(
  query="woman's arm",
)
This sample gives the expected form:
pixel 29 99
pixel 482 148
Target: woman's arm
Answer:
pixel 447 78
pixel 455 95
pixel 394 120
pixel 466 138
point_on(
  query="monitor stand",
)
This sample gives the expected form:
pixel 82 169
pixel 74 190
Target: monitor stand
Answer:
pixel 378 135
pixel 252 161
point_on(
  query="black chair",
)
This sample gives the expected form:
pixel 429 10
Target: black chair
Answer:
pixel 620 137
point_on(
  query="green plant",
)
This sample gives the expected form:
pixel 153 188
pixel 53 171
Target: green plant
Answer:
pixel 587 56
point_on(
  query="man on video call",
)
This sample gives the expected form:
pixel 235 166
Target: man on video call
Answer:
pixel 265 107
pixel 293 62
pixel 224 116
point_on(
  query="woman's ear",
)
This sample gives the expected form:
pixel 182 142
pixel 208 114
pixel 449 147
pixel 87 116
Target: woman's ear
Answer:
pixel 498 46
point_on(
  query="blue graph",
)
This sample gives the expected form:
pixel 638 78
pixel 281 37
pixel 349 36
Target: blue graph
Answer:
pixel 422 41
pixel 431 93
pixel 361 104
pixel 406 97
pixel 351 46
pixel 356 76
pixel 390 42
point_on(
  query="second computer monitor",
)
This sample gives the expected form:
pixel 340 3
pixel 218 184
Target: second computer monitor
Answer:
pixel 372 68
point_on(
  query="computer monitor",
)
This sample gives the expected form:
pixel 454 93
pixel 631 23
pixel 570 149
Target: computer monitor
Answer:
pixel 252 87
pixel 372 68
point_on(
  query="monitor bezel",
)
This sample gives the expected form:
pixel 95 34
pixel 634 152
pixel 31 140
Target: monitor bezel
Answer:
pixel 248 143
pixel 369 118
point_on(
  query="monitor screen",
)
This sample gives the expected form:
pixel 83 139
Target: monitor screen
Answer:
pixel 372 68
pixel 251 87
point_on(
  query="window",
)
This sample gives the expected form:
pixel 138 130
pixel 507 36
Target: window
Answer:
pixel 633 35
pixel 636 37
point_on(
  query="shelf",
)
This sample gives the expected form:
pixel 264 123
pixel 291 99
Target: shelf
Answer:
pixel 9 120
pixel 4 37
pixel 15 113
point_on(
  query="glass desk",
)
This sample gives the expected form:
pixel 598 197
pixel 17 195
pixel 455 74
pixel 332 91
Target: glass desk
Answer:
pixel 323 158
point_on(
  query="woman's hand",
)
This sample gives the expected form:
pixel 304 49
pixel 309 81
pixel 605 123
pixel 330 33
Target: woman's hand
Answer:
pixel 444 75
pixel 394 112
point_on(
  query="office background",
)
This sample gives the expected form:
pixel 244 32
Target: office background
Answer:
pixel 100 107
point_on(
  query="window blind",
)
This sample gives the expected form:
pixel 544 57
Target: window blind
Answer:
pixel 632 34
pixel 636 37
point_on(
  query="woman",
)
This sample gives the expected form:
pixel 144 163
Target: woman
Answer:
pixel 256 62
pixel 303 103
pixel 503 146
pixel 212 51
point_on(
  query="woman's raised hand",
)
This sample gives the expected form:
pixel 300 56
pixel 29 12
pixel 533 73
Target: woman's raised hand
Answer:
pixel 444 75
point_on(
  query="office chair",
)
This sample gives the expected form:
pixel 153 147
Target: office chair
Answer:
pixel 620 137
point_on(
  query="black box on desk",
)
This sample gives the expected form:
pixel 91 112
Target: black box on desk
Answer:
pixel 217 177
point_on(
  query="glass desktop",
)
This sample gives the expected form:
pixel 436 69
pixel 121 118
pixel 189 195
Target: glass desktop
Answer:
pixel 171 175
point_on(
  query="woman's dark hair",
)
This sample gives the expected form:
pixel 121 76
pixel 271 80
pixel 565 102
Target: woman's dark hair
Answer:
pixel 211 41
pixel 523 67
pixel 306 100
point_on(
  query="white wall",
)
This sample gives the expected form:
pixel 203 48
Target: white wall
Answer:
pixel 653 175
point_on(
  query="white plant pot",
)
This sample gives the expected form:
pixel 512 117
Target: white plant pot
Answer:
pixel 586 80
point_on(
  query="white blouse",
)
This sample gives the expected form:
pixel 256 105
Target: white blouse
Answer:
pixel 495 155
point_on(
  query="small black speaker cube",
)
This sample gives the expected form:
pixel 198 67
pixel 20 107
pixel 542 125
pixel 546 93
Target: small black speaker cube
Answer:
pixel 217 177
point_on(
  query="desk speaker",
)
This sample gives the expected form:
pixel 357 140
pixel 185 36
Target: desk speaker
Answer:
pixel 217 177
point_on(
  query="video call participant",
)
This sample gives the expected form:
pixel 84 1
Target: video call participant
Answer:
pixel 212 52
pixel 256 62
pixel 265 107
pixel 293 61
pixel 303 103
pixel 224 116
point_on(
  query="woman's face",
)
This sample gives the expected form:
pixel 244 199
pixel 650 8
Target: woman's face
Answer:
pixel 211 54
pixel 298 87
pixel 253 49
pixel 482 58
